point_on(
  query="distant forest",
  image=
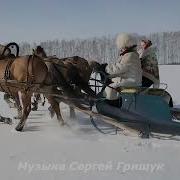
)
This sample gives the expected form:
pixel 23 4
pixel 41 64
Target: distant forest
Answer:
pixel 103 49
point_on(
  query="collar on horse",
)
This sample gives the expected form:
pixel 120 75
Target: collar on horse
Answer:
pixel 30 74
pixel 128 50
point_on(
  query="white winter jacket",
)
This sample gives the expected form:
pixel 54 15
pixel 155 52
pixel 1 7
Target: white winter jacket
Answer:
pixel 126 72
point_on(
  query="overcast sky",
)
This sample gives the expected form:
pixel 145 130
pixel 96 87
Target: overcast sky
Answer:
pixel 36 20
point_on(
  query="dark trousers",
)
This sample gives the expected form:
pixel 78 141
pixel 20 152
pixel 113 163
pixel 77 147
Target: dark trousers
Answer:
pixel 146 82
pixel 116 103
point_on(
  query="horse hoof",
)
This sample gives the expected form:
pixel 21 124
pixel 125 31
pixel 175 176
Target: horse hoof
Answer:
pixel 8 121
pixel 51 112
pixel 19 127
pixel 144 135
pixel 61 123
pixel 12 105
pixel 34 109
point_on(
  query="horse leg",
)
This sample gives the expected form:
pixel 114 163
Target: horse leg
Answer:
pixel 7 99
pixel 17 105
pixel 72 112
pixel 55 107
pixel 51 111
pixel 26 101
pixel 35 103
pixel 43 103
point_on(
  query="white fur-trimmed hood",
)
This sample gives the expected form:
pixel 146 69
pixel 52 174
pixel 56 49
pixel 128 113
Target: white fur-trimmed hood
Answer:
pixel 124 40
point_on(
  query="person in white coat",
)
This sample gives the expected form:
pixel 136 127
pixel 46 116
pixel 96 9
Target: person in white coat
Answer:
pixel 126 71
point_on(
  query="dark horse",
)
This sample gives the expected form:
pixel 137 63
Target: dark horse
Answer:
pixel 74 70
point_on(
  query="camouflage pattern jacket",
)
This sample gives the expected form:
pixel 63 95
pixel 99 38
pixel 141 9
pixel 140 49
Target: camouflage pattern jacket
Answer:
pixel 149 65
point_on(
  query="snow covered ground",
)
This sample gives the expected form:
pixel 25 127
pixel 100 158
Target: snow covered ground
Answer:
pixel 46 151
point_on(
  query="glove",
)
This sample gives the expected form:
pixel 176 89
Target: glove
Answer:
pixel 108 81
pixel 103 67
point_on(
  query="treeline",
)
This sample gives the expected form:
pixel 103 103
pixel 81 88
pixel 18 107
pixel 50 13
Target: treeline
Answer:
pixel 168 47
pixel 103 49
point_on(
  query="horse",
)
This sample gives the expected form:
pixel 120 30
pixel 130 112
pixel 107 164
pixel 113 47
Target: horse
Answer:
pixel 75 70
pixel 29 69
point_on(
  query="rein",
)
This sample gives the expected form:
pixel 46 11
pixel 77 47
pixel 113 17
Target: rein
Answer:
pixel 7 73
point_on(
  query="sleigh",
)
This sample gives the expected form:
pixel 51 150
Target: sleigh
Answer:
pixel 143 112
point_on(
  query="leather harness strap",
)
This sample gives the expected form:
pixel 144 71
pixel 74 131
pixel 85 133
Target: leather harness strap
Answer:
pixel 7 73
pixel 30 74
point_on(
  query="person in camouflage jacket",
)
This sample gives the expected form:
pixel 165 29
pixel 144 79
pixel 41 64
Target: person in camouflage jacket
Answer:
pixel 149 63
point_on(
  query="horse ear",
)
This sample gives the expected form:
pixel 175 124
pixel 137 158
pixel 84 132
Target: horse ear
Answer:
pixel 39 48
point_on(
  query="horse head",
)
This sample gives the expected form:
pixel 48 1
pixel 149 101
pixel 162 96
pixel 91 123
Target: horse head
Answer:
pixel 39 51
pixel 97 67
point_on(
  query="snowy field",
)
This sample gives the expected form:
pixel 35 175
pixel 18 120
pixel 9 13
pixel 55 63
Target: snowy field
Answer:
pixel 46 151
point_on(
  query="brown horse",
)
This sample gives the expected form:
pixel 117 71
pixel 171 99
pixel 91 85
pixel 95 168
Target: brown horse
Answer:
pixel 20 69
pixel 77 66
pixel 29 70
pixel 5 52
pixel 74 69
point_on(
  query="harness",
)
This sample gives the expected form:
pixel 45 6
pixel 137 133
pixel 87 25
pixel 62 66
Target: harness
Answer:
pixel 30 73
pixel 7 73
